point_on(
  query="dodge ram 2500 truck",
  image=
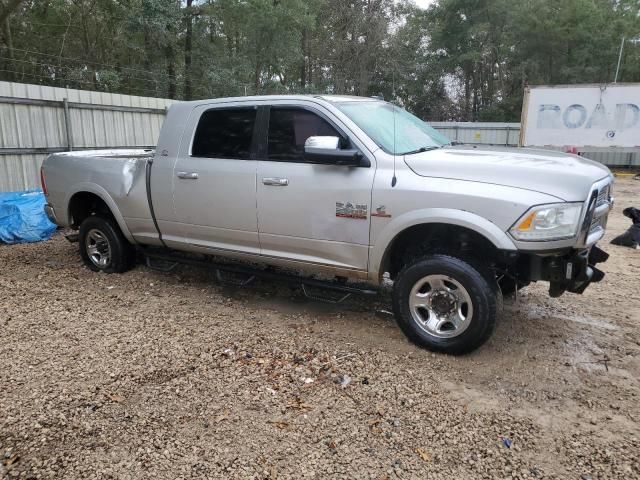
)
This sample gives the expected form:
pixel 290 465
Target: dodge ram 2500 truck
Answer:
pixel 351 187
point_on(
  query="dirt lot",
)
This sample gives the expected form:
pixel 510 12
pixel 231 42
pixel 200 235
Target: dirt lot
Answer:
pixel 151 375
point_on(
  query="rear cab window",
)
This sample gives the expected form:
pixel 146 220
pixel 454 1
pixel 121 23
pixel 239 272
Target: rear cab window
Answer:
pixel 225 133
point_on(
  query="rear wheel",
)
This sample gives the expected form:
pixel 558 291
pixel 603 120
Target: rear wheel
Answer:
pixel 103 247
pixel 446 304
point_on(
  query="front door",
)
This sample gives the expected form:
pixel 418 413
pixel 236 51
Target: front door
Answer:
pixel 215 180
pixel 308 212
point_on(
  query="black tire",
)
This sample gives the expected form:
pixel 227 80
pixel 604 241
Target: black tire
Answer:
pixel 479 288
pixel 120 255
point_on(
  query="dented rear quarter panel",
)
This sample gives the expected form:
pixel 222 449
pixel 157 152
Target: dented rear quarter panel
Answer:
pixel 116 176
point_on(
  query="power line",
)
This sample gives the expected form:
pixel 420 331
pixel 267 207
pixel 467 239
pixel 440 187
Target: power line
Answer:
pixel 153 91
pixel 179 80
pixel 326 61
pixel 79 60
pixel 33 62
pixel 53 79
pixel 350 79
pixel 65 25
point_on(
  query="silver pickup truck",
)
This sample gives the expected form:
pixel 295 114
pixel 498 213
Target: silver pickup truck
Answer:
pixel 349 187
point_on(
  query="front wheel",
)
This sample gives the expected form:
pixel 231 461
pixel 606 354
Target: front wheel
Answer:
pixel 103 247
pixel 446 304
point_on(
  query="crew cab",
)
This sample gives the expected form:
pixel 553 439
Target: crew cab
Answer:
pixel 350 187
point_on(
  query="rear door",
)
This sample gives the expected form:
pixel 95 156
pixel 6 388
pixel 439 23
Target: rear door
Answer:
pixel 215 179
pixel 311 213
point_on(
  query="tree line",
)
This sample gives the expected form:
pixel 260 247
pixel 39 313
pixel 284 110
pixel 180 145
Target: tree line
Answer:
pixel 463 60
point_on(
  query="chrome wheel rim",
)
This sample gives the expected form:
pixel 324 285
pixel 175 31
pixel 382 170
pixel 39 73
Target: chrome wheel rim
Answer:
pixel 98 248
pixel 441 306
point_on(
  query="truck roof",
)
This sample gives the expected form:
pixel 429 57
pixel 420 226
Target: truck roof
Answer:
pixel 347 98
pixel 327 98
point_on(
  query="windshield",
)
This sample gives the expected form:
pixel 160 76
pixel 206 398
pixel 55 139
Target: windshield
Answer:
pixel 412 135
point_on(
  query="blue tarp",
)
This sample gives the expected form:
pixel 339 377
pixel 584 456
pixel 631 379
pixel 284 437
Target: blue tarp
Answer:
pixel 22 218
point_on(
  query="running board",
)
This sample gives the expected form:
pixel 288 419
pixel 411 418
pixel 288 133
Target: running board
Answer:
pixel 72 237
pixel 160 265
pixel 234 283
pixel 325 299
pixel 153 259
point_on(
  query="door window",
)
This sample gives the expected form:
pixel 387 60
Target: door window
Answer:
pixel 289 128
pixel 224 133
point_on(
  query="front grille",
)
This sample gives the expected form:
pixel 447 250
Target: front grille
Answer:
pixel 599 222
pixel 603 195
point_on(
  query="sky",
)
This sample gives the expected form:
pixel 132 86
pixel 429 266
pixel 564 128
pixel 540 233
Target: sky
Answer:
pixel 423 3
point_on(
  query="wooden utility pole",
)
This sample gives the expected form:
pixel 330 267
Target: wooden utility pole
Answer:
pixel 188 47
pixel 5 11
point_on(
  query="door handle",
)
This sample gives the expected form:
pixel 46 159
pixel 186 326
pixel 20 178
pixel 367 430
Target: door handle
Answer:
pixel 275 181
pixel 187 175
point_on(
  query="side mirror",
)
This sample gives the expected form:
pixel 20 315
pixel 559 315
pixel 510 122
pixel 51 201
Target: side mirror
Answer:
pixel 326 150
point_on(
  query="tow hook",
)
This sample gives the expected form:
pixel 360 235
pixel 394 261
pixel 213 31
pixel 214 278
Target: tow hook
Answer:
pixel 597 255
pixel 579 272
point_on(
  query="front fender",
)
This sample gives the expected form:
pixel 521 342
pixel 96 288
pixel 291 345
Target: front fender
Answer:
pixel 449 216
pixel 106 198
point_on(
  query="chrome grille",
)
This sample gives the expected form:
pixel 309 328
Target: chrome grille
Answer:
pixel 599 219
pixel 603 195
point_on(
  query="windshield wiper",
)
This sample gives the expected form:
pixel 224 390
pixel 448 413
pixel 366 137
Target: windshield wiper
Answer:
pixel 420 150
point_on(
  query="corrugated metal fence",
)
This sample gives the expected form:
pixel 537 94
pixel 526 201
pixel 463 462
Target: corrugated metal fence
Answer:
pixel 508 134
pixel 36 120
pixel 486 133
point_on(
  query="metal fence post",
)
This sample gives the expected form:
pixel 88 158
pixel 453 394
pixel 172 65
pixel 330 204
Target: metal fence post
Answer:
pixel 67 124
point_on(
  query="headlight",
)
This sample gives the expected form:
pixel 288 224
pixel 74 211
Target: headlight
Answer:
pixel 548 222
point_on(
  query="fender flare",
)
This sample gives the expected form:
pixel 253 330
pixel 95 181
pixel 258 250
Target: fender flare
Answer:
pixel 101 193
pixel 450 216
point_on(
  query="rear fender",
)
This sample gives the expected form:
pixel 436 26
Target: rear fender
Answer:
pixel 106 198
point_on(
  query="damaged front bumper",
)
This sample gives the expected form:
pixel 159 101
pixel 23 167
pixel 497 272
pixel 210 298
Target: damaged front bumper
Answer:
pixel 572 272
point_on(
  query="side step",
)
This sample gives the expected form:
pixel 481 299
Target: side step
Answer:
pixel 326 299
pixel 167 262
pixel 72 237
pixel 160 265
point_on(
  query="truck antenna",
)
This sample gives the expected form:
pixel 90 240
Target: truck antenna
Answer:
pixel 394 179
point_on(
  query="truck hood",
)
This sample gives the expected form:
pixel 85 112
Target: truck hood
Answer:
pixel 565 176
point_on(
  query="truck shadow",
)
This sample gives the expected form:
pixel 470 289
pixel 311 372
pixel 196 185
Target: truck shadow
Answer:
pixel 368 319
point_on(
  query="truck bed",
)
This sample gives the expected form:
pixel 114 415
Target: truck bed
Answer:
pixel 119 173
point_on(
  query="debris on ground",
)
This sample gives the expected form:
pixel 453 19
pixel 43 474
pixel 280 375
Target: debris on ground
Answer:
pixel 200 380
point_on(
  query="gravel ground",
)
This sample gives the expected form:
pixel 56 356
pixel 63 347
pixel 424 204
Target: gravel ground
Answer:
pixel 151 375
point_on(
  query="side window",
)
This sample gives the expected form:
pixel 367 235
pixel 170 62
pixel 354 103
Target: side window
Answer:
pixel 224 133
pixel 289 128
